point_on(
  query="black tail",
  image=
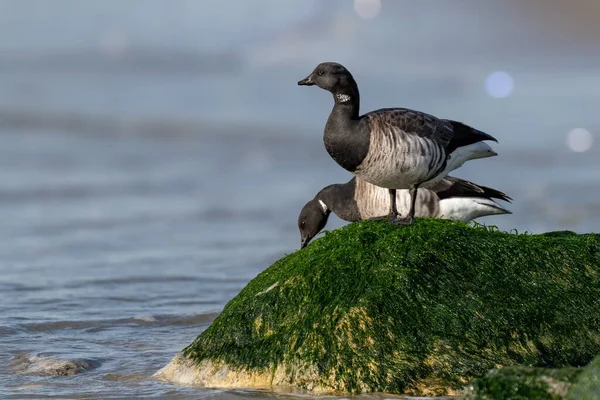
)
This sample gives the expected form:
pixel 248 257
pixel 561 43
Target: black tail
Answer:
pixel 464 135
pixel 462 188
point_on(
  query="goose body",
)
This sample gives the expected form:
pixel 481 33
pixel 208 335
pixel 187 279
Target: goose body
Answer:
pixel 405 147
pixel 393 148
pixel 449 198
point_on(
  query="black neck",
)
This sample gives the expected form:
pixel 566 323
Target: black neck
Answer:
pixel 339 199
pixel 347 100
pixel 346 138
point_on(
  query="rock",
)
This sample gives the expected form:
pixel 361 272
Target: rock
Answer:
pixel 418 310
pixel 516 383
pixel 522 383
pixel 587 384
pixel 50 365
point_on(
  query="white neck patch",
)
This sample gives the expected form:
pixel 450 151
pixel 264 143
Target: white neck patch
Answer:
pixel 342 98
pixel 323 205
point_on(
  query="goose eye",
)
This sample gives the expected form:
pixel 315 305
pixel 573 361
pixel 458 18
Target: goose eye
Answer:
pixel 321 72
pixel 303 224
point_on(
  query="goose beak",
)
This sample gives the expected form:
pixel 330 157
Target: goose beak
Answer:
pixel 304 242
pixel 306 82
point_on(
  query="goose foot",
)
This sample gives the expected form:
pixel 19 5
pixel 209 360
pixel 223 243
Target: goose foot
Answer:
pixel 399 220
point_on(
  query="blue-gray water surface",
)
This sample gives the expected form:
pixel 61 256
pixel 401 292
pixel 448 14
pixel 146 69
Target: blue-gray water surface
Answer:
pixel 146 178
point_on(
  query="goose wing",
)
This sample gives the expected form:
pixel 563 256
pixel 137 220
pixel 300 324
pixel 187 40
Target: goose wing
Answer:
pixel 456 187
pixel 403 121
pixel 465 135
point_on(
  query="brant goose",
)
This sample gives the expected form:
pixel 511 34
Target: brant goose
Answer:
pixel 450 198
pixel 394 148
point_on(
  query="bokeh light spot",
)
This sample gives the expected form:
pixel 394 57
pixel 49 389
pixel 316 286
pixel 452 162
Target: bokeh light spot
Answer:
pixel 579 140
pixel 367 9
pixel 499 84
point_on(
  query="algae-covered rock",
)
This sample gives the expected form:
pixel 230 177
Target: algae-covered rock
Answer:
pixel 587 384
pixel 523 383
pixel 421 309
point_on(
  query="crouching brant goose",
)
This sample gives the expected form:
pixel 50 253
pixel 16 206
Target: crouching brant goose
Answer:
pixel 449 198
pixel 394 148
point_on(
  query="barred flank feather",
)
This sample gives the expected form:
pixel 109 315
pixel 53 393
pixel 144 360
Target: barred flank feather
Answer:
pixel 452 198
pixel 400 155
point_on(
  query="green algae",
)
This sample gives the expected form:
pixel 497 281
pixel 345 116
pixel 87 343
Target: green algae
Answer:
pixel 587 384
pixel 421 309
pixel 523 383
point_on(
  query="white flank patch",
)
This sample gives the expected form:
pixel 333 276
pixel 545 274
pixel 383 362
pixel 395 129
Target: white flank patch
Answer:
pixel 466 209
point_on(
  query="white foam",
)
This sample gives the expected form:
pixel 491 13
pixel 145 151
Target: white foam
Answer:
pixel 146 318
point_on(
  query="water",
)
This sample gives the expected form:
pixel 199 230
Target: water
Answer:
pixel 153 161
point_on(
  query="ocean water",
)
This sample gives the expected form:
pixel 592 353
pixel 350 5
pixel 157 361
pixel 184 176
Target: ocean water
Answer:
pixel 154 159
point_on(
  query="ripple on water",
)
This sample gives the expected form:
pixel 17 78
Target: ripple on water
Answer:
pixel 98 325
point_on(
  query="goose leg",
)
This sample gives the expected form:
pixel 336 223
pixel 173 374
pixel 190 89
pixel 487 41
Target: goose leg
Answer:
pixel 393 214
pixel 410 217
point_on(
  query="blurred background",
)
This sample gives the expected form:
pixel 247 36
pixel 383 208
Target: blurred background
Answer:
pixel 155 154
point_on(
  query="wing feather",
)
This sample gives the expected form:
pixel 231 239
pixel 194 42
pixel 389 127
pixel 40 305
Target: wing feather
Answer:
pixel 401 121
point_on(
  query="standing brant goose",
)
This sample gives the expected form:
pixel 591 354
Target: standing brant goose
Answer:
pixel 395 148
pixel 450 198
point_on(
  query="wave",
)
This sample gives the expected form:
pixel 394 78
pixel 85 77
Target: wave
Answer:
pixel 138 320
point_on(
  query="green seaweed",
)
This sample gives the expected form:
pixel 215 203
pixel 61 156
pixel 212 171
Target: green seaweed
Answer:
pixel 523 383
pixel 587 384
pixel 421 309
